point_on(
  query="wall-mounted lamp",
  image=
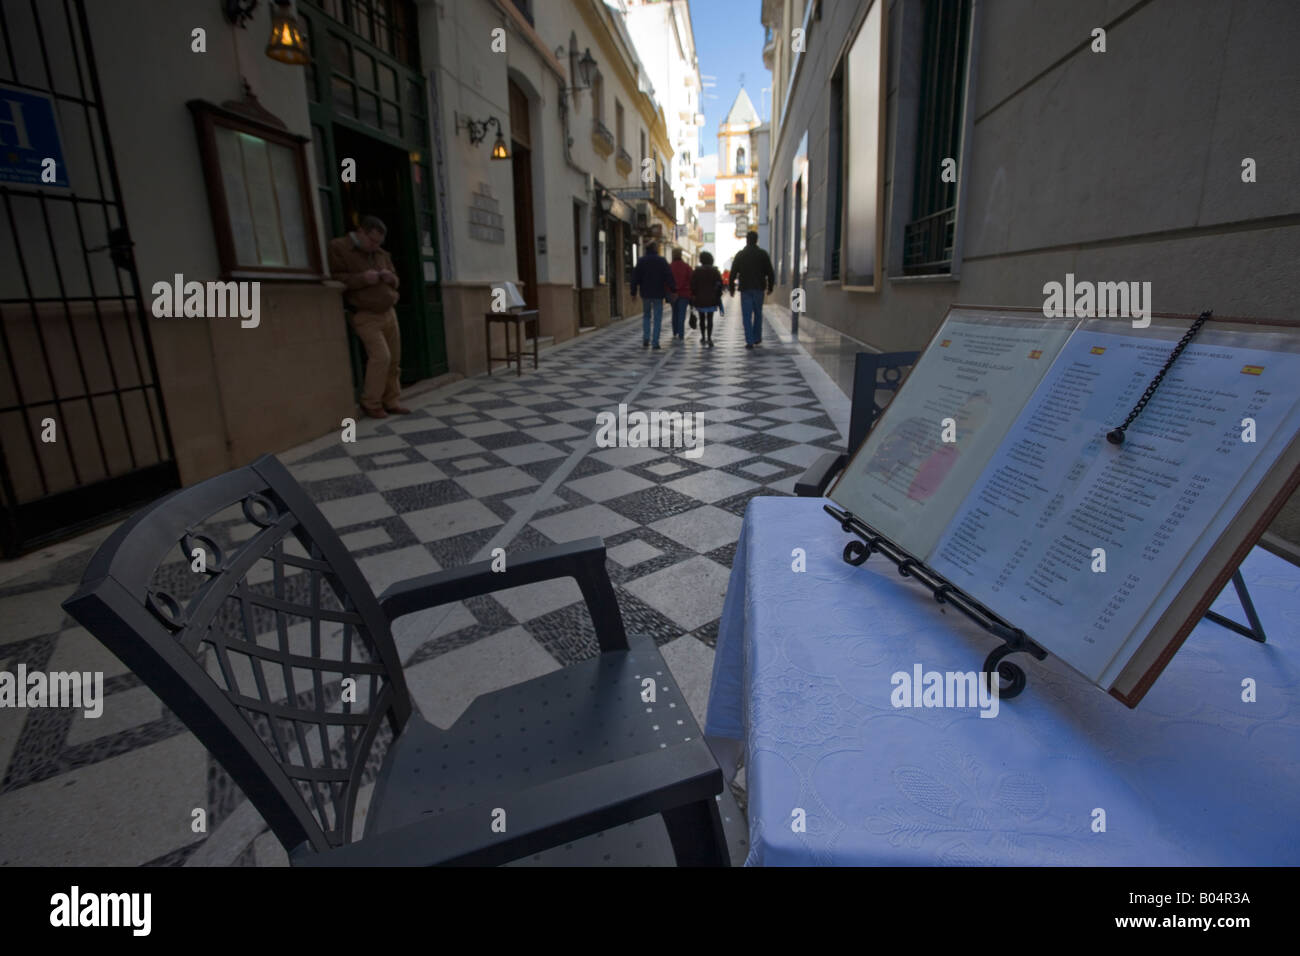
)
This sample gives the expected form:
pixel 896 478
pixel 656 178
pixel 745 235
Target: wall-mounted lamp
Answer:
pixel 286 44
pixel 478 132
pixel 606 200
pixel 584 65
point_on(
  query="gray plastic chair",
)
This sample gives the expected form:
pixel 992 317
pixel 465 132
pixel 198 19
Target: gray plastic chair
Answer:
pixel 251 653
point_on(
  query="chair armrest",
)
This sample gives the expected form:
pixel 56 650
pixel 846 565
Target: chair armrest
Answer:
pixel 582 560
pixel 815 480
pixel 540 817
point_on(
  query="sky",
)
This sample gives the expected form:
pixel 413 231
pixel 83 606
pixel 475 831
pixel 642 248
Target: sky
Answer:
pixel 729 42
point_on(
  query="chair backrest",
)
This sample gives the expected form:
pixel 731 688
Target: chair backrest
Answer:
pixel 874 372
pixel 237 604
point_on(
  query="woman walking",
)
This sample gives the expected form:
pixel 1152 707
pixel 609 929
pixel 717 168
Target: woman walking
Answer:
pixel 706 295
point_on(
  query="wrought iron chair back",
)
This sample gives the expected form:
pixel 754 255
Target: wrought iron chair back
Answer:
pixel 236 602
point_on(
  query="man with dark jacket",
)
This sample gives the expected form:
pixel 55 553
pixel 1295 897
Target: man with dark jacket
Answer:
pixel 655 280
pixel 366 270
pixel 753 268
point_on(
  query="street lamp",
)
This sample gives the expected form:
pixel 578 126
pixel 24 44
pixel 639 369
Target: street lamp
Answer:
pixel 606 201
pixel 286 44
pixel 478 132
pixel 584 66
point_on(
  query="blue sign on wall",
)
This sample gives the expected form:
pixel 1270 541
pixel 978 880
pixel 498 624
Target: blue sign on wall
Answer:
pixel 29 135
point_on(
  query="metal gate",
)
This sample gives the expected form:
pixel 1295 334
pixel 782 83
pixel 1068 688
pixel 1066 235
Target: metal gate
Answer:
pixel 83 432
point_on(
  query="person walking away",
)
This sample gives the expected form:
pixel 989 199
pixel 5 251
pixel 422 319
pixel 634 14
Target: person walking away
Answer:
pixel 682 288
pixel 655 280
pixel 753 268
pixel 706 295
pixel 359 261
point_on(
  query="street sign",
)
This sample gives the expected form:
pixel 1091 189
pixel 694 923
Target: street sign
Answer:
pixel 31 150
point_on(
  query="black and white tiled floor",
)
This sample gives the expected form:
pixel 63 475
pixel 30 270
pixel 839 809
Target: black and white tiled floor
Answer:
pixel 499 461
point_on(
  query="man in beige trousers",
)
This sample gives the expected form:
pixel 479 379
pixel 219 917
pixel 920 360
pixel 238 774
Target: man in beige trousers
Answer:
pixel 359 261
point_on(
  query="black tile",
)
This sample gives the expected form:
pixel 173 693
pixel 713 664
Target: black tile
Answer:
pixel 428 495
pixel 651 504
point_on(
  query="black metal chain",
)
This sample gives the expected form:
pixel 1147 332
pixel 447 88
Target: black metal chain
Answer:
pixel 1116 435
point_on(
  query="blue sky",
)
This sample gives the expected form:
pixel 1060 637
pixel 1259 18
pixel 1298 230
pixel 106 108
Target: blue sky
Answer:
pixel 729 42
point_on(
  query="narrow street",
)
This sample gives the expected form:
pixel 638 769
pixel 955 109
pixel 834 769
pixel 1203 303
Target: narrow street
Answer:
pixel 491 461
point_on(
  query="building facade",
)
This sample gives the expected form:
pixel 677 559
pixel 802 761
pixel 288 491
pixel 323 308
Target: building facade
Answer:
pixel 926 152
pixel 736 180
pixel 665 44
pixel 496 146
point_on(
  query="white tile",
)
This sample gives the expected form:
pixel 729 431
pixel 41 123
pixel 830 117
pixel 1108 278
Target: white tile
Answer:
pixel 589 521
pixel 800 433
pixel 534 600
pixel 691 662
pixel 631 553
pixel 344 512
pixel 469 464
pixel 665 468
pixel 369 538
pixel 573 415
pixel 483 484
pixel 794 413
pixel 123 811
pixel 557 432
pixel 373 446
pixel 404 476
pixel 710 486
pixel 762 469
pixel 799 455
pixel 442 450
pixel 690 593
pixel 701 529
pixel 622 457
pixel 384 461
pixel 479 429
pixel 446 685
pixel 526 454
pixel 77 650
pixel 401 424
pixel 717 454
pixel 445 521
pixel 33 614
pixel 608 484
pixel 413 631
pixel 122 711
pixel 507 412
pixel 725 431
pixel 388 567
pixel 322 470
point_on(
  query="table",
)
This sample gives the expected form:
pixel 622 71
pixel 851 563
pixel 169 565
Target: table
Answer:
pixel 801 679
pixel 520 321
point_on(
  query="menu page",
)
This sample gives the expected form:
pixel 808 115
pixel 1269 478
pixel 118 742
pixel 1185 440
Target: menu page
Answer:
pixel 1025 542
pixel 921 459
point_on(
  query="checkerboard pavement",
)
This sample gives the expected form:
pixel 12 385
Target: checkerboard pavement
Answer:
pixel 495 461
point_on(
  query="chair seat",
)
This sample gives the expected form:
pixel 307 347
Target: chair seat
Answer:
pixel 573 719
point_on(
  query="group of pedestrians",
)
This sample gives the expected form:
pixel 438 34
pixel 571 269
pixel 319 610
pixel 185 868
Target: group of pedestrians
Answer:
pixel 701 288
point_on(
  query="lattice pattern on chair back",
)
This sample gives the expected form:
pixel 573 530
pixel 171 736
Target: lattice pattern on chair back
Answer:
pixel 239 606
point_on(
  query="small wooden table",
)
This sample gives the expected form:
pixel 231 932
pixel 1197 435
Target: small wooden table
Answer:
pixel 519 320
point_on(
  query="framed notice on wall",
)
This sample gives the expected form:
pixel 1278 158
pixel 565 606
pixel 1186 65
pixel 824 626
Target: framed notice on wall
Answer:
pixel 259 192
pixel 863 154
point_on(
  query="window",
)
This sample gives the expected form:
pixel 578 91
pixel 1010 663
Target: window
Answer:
pixel 740 199
pixel 861 226
pixel 618 124
pixel 643 152
pixel 259 195
pixel 835 179
pixel 598 97
pixel 740 159
pixel 928 237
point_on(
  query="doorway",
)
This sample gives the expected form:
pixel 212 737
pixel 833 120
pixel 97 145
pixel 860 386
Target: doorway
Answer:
pixel 521 170
pixel 577 266
pixel 383 189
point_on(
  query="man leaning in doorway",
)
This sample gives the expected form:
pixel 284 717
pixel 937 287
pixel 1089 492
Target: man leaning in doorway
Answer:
pixel 753 267
pixel 366 269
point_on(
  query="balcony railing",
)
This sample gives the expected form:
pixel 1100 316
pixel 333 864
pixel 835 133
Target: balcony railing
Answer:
pixel 624 161
pixel 927 243
pixel 601 137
